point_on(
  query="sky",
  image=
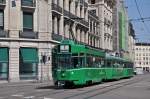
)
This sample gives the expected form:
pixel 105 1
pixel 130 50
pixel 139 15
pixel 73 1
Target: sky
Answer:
pixel 142 30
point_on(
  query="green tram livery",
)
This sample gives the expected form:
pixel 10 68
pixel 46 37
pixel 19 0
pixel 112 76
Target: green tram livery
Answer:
pixel 76 64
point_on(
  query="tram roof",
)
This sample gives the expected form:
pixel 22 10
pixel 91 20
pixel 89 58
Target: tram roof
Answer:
pixel 110 57
pixel 81 48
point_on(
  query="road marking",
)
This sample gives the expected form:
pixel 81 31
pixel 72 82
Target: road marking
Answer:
pixel 48 98
pixel 29 97
pixel 45 98
pixel 17 95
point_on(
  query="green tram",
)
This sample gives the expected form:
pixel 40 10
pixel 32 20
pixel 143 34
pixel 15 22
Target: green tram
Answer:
pixel 76 64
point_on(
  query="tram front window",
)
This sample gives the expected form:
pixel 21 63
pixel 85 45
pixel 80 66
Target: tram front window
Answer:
pixel 64 61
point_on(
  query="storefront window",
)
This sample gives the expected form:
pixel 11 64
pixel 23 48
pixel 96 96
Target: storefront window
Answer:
pixel 3 71
pixel 3 63
pixel 28 63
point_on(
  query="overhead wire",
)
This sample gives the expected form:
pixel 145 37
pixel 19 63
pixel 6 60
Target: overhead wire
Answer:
pixel 141 18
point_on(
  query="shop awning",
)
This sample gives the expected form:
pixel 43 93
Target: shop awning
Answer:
pixel 3 54
pixel 29 55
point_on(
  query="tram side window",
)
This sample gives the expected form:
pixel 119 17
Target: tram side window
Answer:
pixel 99 62
pixel 82 61
pixel 89 62
pixel 108 64
pixel 75 62
pixel 78 61
pixel 95 62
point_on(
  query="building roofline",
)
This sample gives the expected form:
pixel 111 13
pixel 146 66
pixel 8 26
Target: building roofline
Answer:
pixel 142 44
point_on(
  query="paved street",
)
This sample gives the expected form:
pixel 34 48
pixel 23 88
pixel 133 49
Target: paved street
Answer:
pixel 137 87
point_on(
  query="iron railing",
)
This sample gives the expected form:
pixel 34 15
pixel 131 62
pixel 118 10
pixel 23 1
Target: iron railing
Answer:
pixel 56 8
pixel 28 34
pixel 29 3
pixel 4 33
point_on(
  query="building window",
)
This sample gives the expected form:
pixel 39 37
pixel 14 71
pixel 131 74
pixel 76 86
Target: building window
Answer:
pixel 80 12
pixel 85 13
pixel 90 26
pixel 4 63
pixel 76 9
pixel 28 67
pixel 93 2
pixel 53 18
pixel 1 19
pixel 58 25
pixel 27 21
pixel 57 2
pixel 70 5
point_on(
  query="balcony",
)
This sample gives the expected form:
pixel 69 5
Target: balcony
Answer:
pixel 84 22
pixel 56 7
pixel 85 4
pixel 69 15
pixel 93 14
pixel 28 34
pixel 4 34
pixel 56 37
pixel 2 4
pixel 28 5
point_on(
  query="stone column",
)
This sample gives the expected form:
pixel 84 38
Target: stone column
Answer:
pixel 14 62
pixel 73 7
pixel 67 30
pixel 13 15
pixel 78 34
pixel 74 30
pixel 78 10
pixel 61 27
pixel 55 25
pixel 67 5
pixel 82 13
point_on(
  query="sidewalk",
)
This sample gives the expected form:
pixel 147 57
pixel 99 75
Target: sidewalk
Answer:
pixel 26 83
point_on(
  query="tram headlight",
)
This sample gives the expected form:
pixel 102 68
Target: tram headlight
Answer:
pixel 72 73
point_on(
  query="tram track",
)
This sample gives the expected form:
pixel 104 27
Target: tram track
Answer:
pixel 60 91
pixel 95 91
pixel 109 89
pixel 102 90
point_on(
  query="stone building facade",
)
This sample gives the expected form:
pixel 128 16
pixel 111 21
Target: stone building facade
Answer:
pixel 103 9
pixel 142 56
pixel 25 40
pixel 29 29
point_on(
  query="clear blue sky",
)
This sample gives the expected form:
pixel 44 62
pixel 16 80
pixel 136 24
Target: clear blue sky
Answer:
pixel 142 33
